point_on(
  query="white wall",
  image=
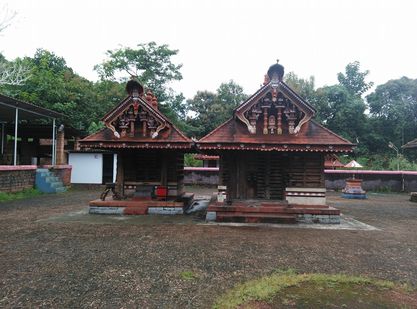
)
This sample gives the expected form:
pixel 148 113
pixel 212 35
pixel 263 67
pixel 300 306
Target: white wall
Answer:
pixel 114 167
pixel 86 167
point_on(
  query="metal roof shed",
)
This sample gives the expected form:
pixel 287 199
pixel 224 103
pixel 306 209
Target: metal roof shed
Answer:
pixel 13 110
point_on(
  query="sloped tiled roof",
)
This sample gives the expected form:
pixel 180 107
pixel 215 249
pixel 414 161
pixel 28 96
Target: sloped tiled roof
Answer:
pixel 172 138
pixel 312 137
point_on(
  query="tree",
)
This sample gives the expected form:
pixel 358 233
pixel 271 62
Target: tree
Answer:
pixel 303 87
pixel 393 108
pixel 6 16
pixel 211 109
pixel 341 111
pixel 152 65
pixel 11 73
pixel 52 84
pixel 354 80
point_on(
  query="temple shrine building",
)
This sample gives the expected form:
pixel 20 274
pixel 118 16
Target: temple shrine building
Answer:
pixel 150 157
pixel 272 156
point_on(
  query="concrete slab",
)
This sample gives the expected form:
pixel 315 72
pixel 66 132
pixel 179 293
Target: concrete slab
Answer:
pixel 346 223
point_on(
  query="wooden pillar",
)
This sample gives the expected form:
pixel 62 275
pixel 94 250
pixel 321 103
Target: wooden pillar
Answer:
pixel 180 173
pixel 265 131
pixel 120 175
pixel 279 121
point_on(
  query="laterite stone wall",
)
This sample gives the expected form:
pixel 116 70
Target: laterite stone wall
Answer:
pixel 17 178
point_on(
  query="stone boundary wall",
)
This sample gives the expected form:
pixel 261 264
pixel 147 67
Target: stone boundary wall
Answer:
pixel 17 178
pixel 207 176
pixel 21 177
pixel 395 181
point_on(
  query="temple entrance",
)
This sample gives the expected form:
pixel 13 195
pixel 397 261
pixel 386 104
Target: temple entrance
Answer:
pixel 270 180
pixel 254 175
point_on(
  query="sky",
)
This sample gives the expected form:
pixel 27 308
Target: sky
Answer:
pixel 223 40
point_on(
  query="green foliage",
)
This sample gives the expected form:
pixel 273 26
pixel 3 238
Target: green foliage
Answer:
pixel 340 111
pixel 401 163
pixel 354 80
pixel 212 109
pixel 28 193
pixel 189 160
pixel 303 87
pixel 188 275
pixel 393 109
pixel 152 65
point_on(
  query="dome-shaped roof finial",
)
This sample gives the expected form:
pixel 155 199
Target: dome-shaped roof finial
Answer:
pixel 276 71
pixel 133 87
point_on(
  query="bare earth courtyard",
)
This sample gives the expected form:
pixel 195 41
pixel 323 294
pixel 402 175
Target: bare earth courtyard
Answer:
pixel 53 254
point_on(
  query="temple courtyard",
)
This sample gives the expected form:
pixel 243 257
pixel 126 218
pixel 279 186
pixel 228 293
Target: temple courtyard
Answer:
pixel 54 254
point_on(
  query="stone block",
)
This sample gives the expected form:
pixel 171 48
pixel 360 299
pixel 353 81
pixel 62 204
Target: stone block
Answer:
pixel 211 216
pixel 106 210
pixel 165 211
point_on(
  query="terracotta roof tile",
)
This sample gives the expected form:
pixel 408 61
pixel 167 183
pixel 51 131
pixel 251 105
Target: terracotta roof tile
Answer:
pixel 312 133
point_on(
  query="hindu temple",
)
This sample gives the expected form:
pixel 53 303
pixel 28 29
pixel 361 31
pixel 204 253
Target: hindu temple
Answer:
pixel 272 156
pixel 150 157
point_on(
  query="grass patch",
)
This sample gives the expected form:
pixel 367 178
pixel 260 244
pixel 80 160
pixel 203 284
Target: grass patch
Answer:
pixel 188 275
pixel 28 193
pixel 282 289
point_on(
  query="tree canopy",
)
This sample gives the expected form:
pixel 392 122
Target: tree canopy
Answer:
pixel 211 109
pixel 387 114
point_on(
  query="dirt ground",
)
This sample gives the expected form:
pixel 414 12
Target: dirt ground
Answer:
pixel 53 254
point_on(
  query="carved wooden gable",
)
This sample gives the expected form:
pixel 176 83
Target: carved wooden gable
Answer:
pixel 275 109
pixel 137 116
pixel 136 122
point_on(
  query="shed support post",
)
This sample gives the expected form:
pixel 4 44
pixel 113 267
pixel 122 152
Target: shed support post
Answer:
pixel 16 120
pixel 53 143
pixel 2 137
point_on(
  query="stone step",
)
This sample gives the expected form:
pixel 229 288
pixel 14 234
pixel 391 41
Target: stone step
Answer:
pixel 255 217
pixel 55 184
pixel 52 178
pixel 60 189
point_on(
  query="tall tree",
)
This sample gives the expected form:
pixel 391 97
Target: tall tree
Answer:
pixel 211 109
pixel 152 65
pixel 393 108
pixel 11 73
pixel 54 85
pixel 303 87
pixel 354 80
pixel 341 111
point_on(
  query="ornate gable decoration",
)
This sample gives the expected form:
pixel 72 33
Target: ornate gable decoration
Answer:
pixel 137 115
pixel 275 108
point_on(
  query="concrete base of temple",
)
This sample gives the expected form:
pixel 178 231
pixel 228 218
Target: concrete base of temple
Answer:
pixel 261 211
pixel 135 207
pixel 305 196
pixel 359 196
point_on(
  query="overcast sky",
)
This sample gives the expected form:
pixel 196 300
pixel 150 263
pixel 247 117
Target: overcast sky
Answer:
pixel 223 40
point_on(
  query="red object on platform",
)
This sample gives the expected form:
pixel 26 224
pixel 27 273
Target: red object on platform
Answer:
pixel 161 191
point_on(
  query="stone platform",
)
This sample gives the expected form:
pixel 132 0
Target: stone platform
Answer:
pixel 258 211
pixel 135 207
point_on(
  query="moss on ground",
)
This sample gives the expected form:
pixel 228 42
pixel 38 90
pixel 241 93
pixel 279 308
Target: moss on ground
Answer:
pixel 291 290
pixel 28 193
